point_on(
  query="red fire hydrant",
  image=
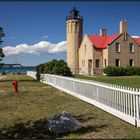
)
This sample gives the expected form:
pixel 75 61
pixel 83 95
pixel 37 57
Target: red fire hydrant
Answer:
pixel 15 84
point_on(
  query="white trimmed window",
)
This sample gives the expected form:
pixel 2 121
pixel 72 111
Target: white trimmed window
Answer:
pixel 117 47
pixel 131 47
pixel 131 62
pixel 117 62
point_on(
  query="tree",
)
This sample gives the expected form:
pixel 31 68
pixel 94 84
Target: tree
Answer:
pixel 1 54
pixel 40 68
pixel 57 67
pixel 1 36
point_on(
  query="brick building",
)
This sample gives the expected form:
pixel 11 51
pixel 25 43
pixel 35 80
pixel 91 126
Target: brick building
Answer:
pixel 90 54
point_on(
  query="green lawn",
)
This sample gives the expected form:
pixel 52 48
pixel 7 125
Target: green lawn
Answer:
pixel 25 114
pixel 128 81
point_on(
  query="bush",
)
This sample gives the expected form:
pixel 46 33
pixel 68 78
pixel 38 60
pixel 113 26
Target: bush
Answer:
pixel 130 71
pixel 121 71
pixel 137 70
pixel 57 67
pixel 114 71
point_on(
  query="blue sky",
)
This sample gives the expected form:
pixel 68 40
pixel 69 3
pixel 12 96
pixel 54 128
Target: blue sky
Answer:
pixel 28 25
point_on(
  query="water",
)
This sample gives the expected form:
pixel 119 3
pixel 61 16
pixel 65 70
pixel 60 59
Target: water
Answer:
pixel 16 69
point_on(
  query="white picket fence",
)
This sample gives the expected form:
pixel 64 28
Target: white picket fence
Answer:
pixel 123 102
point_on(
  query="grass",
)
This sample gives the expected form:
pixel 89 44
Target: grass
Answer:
pixel 25 114
pixel 128 81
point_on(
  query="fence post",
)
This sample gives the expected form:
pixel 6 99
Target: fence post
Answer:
pixel 54 80
pixel 137 108
pixel 97 93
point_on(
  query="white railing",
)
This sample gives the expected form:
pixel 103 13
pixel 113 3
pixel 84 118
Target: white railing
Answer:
pixel 123 102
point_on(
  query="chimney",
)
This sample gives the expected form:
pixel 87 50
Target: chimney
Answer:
pixel 123 26
pixel 102 32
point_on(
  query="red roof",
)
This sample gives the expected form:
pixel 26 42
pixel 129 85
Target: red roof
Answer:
pixel 101 42
pixel 137 40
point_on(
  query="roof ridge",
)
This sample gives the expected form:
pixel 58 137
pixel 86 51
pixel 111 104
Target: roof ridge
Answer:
pixel 101 42
pixel 102 36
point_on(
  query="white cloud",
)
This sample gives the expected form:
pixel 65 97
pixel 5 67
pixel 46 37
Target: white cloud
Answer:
pixel 135 36
pixel 42 47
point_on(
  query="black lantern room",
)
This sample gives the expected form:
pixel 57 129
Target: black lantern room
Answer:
pixel 74 14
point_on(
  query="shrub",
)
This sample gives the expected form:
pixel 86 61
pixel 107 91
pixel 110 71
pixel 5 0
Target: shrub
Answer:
pixel 114 71
pixel 121 71
pixel 130 71
pixel 137 70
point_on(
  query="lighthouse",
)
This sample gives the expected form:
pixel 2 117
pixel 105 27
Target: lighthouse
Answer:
pixel 74 33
